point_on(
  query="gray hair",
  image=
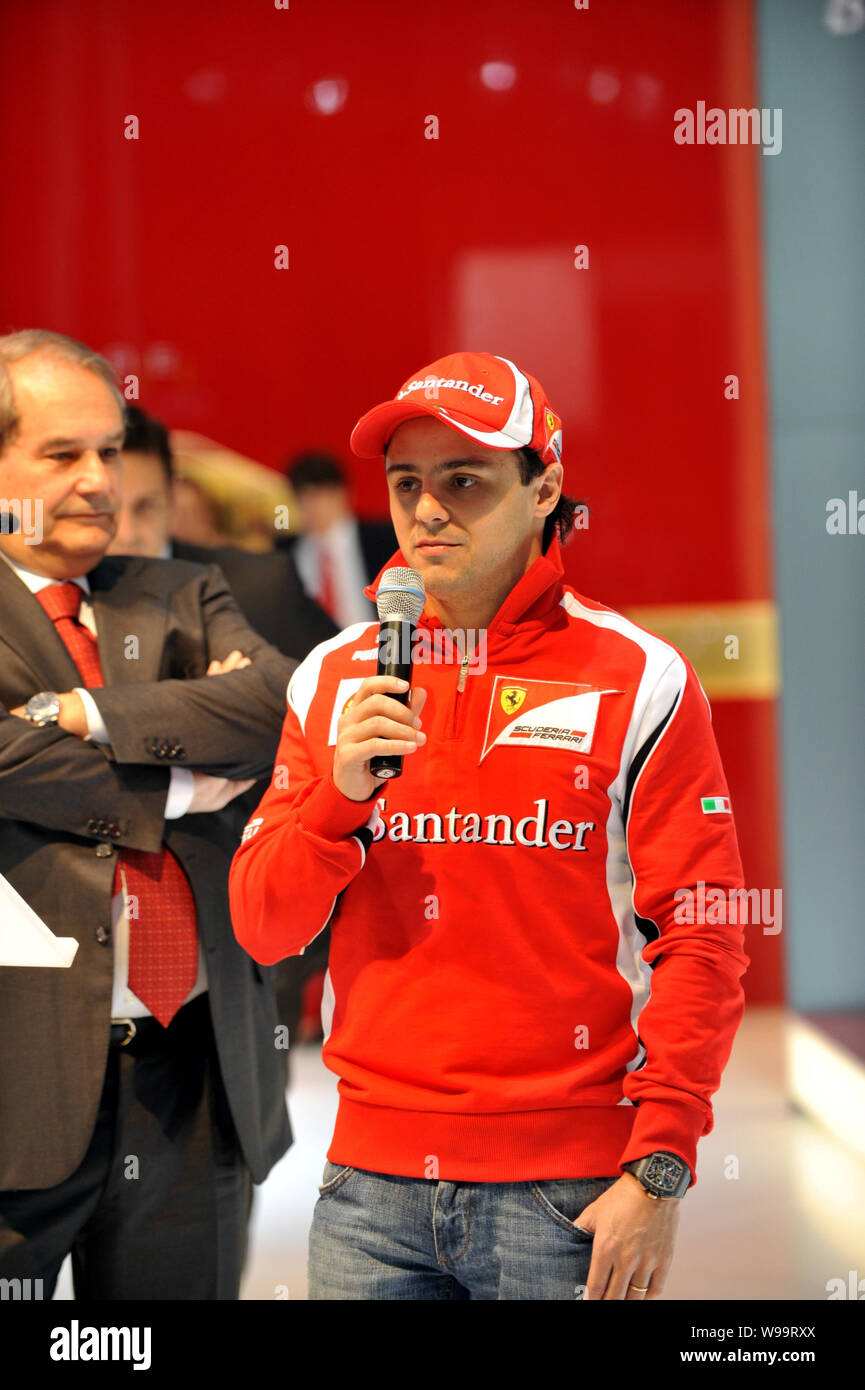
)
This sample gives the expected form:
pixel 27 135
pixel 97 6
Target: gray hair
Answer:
pixel 14 346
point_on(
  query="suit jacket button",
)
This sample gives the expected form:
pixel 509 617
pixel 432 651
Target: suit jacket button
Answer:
pixel 103 850
pixel 103 935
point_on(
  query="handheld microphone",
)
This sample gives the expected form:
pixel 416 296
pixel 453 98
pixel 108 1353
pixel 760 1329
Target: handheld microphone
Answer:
pixel 399 600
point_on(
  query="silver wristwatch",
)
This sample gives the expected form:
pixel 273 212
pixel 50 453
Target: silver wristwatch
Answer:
pixel 43 709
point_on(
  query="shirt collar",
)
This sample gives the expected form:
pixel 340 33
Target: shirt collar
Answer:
pixel 35 581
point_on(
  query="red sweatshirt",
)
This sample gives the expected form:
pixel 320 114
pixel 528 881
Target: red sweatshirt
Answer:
pixel 523 983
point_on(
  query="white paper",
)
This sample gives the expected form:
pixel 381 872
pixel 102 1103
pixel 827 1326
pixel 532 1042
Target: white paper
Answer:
pixel 24 937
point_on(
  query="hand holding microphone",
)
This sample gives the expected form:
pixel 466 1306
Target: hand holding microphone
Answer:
pixel 375 723
pixel 382 722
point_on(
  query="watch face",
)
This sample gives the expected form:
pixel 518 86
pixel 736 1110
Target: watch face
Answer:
pixel 42 707
pixel 664 1172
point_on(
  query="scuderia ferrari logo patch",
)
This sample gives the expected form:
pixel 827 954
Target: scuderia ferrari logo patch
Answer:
pixel 542 714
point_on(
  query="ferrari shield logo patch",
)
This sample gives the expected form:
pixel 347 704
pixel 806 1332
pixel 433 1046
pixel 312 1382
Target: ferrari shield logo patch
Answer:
pixel 512 697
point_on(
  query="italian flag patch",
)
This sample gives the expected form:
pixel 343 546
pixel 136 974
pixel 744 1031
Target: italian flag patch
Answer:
pixel 712 804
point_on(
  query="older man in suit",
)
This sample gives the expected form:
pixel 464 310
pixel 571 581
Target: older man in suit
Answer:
pixel 142 1090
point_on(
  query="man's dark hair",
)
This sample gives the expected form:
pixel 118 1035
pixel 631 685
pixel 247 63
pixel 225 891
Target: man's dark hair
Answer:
pixel 561 518
pixel 314 469
pixel 147 435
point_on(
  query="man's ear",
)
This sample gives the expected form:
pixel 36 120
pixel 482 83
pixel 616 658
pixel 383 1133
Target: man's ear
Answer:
pixel 550 488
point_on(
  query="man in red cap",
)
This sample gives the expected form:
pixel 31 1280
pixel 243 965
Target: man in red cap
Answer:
pixel 527 1025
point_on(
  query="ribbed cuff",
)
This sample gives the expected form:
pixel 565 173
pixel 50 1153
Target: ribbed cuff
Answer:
pixel 667 1126
pixel 333 816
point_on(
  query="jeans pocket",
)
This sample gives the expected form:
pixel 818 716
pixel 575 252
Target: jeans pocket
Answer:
pixel 333 1177
pixel 562 1200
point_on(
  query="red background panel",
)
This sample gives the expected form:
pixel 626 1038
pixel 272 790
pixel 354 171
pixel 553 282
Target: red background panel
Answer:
pixel 160 251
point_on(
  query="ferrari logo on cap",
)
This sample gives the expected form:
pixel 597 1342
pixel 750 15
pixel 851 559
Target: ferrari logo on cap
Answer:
pixel 512 698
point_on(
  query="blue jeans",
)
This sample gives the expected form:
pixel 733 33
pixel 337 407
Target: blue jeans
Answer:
pixel 375 1235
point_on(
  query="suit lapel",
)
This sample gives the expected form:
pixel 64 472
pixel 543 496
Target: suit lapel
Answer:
pixel 130 617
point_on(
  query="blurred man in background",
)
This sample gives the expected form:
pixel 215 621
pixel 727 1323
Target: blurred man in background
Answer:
pixel 337 555
pixel 265 584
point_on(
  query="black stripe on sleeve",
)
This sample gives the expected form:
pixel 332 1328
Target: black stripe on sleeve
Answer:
pixel 365 835
pixel 648 928
pixel 640 759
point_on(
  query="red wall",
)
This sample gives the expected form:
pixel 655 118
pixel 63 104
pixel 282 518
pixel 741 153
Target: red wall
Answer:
pixel 402 248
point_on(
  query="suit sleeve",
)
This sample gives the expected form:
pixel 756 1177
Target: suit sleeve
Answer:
pixel 228 725
pixel 695 947
pixel 302 847
pixel 52 778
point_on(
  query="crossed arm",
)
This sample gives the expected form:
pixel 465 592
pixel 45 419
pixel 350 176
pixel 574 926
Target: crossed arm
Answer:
pixel 229 729
pixel 205 793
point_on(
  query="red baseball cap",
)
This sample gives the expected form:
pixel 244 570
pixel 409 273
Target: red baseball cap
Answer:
pixel 485 397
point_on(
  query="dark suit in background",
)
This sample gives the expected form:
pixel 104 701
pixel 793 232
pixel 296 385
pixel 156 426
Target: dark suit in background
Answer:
pixel 217 1076
pixel 378 543
pixel 271 596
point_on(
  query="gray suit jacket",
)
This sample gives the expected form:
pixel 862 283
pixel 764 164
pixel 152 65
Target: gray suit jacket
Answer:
pixel 64 802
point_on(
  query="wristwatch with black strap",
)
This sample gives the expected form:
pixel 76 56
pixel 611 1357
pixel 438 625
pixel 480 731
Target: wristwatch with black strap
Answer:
pixel 662 1174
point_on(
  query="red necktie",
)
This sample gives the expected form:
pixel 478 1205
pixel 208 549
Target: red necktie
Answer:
pixel 163 938
pixel 326 586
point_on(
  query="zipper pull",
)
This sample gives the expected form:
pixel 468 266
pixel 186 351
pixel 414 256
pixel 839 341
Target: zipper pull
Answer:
pixel 464 670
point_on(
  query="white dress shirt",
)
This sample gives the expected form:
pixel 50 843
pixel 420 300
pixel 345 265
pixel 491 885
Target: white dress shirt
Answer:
pixel 124 1003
